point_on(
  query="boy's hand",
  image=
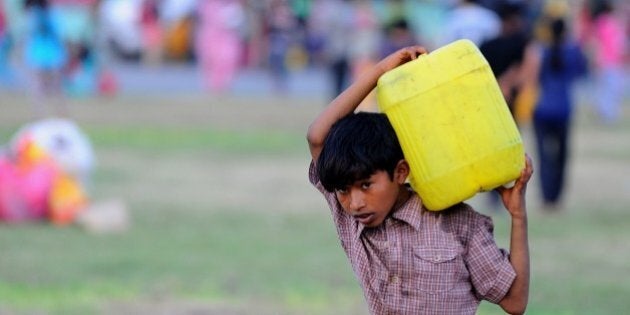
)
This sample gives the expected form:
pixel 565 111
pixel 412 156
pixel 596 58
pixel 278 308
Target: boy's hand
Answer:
pixel 400 57
pixel 514 198
pixel 348 101
pixel 515 300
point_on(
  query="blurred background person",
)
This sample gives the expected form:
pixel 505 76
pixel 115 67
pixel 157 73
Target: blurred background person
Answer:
pixel 119 28
pixel 255 55
pixel 505 55
pixel 218 43
pixel 470 20
pixel 77 30
pixel 398 34
pixel 605 37
pixel 316 34
pixel 177 19
pixel 555 65
pixel 152 34
pixel 12 12
pixel 45 56
pixel 336 20
pixel 366 38
pixel 280 25
pixel 505 51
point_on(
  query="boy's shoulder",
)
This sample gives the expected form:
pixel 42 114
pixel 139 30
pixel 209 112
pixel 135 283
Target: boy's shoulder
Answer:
pixel 461 216
pixel 462 209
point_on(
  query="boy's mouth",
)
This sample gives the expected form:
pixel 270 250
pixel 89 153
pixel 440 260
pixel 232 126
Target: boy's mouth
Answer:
pixel 364 218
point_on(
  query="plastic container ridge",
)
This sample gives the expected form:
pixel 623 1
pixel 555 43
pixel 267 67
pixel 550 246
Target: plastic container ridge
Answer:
pixel 452 123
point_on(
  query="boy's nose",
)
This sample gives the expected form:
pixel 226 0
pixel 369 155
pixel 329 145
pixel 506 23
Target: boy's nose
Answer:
pixel 356 201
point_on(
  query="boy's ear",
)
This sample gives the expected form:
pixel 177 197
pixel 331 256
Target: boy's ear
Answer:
pixel 401 172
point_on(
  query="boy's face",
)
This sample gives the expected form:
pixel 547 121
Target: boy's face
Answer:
pixel 370 200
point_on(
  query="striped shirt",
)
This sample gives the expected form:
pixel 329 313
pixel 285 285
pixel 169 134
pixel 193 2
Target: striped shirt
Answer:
pixel 423 262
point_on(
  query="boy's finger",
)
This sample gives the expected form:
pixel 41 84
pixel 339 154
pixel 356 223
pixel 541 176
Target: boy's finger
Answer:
pixel 527 172
pixel 412 53
pixel 415 51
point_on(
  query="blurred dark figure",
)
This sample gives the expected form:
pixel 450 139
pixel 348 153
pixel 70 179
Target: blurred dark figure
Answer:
pixel 505 52
pixel 556 65
pixel 398 34
pixel 45 56
pixel 505 55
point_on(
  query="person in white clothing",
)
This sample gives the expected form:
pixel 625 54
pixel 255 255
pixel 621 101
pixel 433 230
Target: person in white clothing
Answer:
pixel 470 20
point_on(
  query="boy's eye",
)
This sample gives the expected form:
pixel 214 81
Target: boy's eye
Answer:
pixel 342 191
pixel 365 185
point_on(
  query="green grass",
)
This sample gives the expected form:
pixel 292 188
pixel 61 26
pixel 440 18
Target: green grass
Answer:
pixel 207 229
pixel 578 261
pixel 219 255
pixel 177 140
pixel 293 259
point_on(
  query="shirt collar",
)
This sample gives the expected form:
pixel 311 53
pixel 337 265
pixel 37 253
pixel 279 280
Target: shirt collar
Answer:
pixel 410 211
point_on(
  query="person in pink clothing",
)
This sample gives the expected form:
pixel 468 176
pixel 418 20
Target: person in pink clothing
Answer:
pixel 606 38
pixel 218 43
pixel 151 32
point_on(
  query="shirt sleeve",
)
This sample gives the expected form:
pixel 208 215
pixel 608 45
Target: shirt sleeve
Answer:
pixel 313 177
pixel 489 266
pixel 346 226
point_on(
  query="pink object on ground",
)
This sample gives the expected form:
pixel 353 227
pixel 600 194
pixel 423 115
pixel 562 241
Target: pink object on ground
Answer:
pixel 24 191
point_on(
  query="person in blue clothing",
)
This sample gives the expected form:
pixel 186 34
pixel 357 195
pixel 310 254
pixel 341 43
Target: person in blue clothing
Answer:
pixel 557 64
pixel 45 54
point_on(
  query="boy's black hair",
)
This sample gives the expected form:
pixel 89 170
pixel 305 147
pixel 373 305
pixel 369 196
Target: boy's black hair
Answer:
pixel 356 147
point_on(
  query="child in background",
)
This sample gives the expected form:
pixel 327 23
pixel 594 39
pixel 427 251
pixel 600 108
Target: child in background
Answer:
pixel 407 259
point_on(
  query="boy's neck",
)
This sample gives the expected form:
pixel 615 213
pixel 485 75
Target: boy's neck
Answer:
pixel 403 195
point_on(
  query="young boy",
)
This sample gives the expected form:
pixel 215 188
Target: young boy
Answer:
pixel 409 260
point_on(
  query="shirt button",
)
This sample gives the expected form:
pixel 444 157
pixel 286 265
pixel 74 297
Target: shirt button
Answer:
pixel 437 258
pixel 393 279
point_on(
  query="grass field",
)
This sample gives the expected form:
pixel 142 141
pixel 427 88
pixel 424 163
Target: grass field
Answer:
pixel 225 222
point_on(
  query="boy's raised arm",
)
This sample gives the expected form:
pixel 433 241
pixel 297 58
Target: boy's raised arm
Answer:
pixel 348 101
pixel 515 301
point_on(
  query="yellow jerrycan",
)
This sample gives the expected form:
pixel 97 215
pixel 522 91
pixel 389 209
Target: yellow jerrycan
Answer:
pixel 453 124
